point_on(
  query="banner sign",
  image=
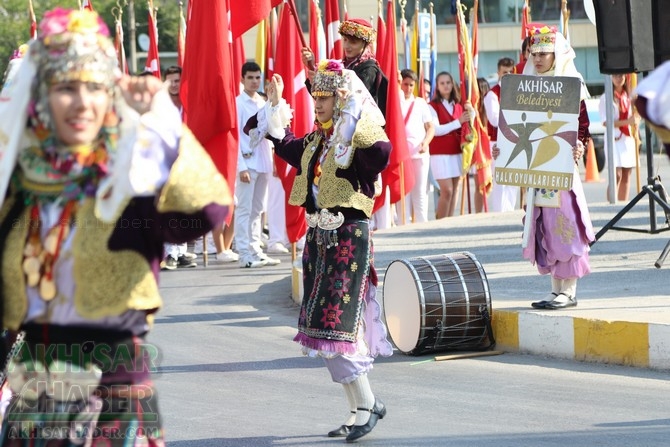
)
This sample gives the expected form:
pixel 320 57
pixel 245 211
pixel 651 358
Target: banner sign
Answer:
pixel 538 123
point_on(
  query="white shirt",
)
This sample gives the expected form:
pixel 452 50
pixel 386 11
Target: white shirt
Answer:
pixel 415 123
pixel 257 158
pixel 492 107
pixel 443 129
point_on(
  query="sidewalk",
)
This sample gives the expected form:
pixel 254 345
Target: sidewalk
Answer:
pixel 623 316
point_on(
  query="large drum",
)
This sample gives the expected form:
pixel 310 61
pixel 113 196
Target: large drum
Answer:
pixel 438 303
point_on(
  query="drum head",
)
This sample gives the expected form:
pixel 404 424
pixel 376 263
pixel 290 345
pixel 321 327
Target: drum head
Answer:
pixel 402 306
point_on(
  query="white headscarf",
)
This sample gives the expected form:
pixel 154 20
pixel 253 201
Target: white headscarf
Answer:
pixel 564 63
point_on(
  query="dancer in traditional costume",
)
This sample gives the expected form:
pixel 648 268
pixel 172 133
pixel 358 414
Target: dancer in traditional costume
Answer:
pixel 560 232
pixel 97 173
pixel 337 165
pixel 358 36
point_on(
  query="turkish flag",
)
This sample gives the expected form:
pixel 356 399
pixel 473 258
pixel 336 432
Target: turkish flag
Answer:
pixel 398 175
pixel 288 64
pixel 333 39
pixel 86 4
pixel 153 64
pixel 381 36
pixel 317 37
pixel 239 59
pixel 208 86
pixel 245 14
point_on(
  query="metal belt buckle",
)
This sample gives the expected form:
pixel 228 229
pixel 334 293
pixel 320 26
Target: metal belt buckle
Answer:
pixel 330 221
pixel 312 219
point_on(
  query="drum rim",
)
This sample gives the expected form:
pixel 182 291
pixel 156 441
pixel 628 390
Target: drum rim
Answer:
pixel 429 261
pixel 421 298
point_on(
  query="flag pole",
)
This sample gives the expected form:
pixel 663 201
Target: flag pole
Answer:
pixel 294 13
pixel 132 37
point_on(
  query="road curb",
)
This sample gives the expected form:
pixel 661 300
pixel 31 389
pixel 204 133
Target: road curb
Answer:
pixel 644 345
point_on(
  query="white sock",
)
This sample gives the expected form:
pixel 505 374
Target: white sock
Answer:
pixel 556 285
pixel 569 287
pixel 364 398
pixel 351 415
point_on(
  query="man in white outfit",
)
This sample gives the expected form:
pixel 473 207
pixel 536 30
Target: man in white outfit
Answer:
pixel 254 167
pixel 420 131
pixel 176 255
pixel 503 197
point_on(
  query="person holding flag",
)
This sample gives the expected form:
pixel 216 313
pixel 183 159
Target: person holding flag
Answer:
pixel 446 158
pixel 338 164
pixel 358 37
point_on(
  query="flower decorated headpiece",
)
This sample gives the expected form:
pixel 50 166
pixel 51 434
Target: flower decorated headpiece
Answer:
pixel 543 39
pixel 71 45
pixel 328 78
pixel 360 28
pixel 74 45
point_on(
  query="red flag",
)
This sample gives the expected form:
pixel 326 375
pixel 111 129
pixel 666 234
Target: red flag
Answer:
pixel 181 39
pixel 33 20
pixel 333 39
pixel 153 64
pixel 525 24
pixel 317 37
pixel 468 79
pixel 525 20
pixel 238 60
pixel 481 157
pixel 398 177
pixel 208 87
pixel 245 14
pixel 289 65
pixel 86 4
pixel 381 35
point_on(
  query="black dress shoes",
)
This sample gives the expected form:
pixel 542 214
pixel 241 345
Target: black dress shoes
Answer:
pixel 342 430
pixel 543 304
pixel 377 412
pixel 561 302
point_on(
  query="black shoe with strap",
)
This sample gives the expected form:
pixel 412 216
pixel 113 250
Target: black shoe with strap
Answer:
pixel 562 301
pixel 342 430
pixel 378 411
pixel 543 304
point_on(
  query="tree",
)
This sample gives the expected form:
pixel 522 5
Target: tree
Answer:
pixel 15 29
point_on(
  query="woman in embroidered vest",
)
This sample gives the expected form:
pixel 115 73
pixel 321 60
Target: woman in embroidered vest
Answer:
pixel 358 35
pixel 446 158
pixel 624 142
pixel 92 180
pixel 560 234
pixel 337 167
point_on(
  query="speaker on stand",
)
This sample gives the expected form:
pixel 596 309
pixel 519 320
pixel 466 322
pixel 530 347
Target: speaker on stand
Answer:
pixel 627 44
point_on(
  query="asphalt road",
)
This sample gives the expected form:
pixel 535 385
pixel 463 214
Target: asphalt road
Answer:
pixel 230 375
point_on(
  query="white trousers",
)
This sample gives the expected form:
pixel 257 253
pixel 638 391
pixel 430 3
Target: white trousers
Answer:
pixel 416 201
pixel 248 226
pixel 276 212
pixel 175 250
pixel 382 217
